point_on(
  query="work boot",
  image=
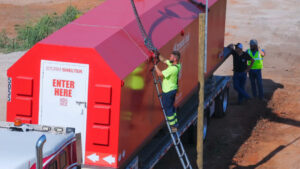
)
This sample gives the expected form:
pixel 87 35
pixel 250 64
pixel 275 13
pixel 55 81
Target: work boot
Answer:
pixel 173 129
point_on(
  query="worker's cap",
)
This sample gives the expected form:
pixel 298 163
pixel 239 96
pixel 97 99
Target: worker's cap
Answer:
pixel 253 42
pixel 239 45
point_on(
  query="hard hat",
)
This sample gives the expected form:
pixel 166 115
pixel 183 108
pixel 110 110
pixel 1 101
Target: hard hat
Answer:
pixel 253 42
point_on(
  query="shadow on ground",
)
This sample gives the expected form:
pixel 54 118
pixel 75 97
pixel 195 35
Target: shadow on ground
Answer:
pixel 267 158
pixel 226 135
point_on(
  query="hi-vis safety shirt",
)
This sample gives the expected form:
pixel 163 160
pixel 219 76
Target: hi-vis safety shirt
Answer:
pixel 258 60
pixel 135 81
pixel 170 81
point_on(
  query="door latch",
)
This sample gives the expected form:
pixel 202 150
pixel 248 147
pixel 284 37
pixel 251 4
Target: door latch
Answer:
pixel 81 103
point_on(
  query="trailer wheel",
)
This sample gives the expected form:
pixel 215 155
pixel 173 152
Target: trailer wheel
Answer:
pixel 192 131
pixel 205 124
pixel 222 103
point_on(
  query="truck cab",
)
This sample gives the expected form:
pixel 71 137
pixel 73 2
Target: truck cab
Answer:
pixel 19 146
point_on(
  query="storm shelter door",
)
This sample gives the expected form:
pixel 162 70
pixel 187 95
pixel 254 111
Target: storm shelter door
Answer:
pixel 64 96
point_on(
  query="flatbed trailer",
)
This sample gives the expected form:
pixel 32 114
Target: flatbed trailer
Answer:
pixel 94 75
pixel 215 104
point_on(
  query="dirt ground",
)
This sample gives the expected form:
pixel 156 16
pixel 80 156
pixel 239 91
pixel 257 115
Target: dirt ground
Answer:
pixel 262 135
pixel 256 135
pixel 19 12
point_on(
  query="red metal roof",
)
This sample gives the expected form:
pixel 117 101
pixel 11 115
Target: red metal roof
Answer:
pixel 112 30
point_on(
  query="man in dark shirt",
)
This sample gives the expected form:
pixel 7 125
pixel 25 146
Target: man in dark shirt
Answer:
pixel 240 69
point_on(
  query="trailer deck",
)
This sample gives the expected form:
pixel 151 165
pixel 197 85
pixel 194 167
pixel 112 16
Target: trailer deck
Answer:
pixel 155 149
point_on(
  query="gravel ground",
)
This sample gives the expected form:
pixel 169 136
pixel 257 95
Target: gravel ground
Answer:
pixel 6 60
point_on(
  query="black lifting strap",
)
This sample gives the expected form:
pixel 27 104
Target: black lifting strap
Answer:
pixel 147 41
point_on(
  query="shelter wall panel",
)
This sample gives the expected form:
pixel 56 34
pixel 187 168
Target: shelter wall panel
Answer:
pixel 24 119
pixel 103 93
pixel 216 35
pixel 100 135
pixel 23 106
pixel 101 114
pixel 23 86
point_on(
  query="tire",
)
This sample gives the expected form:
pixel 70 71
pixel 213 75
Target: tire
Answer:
pixel 192 132
pixel 222 103
pixel 205 124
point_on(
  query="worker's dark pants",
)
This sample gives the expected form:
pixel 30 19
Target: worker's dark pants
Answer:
pixel 168 100
pixel 256 80
pixel 239 81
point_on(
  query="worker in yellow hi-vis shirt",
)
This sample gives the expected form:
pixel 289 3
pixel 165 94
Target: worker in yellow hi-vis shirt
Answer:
pixel 255 73
pixel 170 86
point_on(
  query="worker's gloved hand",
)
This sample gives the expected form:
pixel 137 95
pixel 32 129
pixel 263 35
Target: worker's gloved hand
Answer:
pixel 156 61
pixel 156 58
pixel 230 46
pixel 156 53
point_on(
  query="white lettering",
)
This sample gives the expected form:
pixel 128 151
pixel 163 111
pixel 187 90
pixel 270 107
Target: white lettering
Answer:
pixel 182 43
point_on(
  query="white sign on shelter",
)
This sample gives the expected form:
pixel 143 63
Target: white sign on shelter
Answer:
pixel 64 95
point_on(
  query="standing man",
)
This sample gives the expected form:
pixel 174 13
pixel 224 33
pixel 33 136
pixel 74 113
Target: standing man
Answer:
pixel 170 86
pixel 240 69
pixel 255 74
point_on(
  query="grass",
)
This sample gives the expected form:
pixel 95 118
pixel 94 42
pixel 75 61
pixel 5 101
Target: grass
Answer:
pixel 30 34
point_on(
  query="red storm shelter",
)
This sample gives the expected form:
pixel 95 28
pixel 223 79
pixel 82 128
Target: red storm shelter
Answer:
pixel 94 74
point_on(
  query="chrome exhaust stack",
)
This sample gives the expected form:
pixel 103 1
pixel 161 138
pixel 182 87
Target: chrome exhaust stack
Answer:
pixel 39 151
